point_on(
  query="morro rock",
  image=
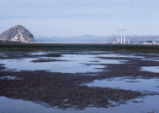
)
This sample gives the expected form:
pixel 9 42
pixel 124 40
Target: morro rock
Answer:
pixel 18 33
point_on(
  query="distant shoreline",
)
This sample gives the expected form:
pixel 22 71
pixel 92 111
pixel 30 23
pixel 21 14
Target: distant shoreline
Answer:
pixel 10 46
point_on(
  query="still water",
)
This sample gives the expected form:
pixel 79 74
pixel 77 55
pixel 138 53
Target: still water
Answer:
pixel 139 105
pixel 128 83
pixel 68 63
pixel 84 63
pixel 153 69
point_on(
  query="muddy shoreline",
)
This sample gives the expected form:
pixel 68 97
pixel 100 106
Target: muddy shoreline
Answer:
pixel 64 90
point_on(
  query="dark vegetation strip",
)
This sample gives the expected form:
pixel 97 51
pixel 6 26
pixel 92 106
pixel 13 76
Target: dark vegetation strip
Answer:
pixel 77 47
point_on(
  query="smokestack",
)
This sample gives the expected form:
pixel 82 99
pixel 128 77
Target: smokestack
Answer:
pixel 121 38
pixel 118 36
pixel 124 32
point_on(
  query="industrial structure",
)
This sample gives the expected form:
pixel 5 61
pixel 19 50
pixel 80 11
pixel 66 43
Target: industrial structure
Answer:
pixel 121 37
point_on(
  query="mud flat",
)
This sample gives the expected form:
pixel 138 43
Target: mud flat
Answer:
pixel 62 84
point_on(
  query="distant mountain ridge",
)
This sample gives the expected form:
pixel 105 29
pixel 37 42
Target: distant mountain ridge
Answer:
pixel 18 33
pixel 77 39
pixel 95 39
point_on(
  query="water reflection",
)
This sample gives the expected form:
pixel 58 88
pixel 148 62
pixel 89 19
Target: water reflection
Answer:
pixel 153 69
pixel 21 106
pixel 56 90
pixel 9 78
pixel 139 105
pixel 137 84
pixel 68 63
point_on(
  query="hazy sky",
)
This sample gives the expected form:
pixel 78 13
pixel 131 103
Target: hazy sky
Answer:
pixel 81 17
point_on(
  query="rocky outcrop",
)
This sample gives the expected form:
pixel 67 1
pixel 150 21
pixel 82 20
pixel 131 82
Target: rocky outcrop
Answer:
pixel 18 33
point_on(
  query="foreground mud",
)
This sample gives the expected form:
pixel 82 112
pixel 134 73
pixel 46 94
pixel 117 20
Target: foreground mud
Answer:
pixel 64 89
pixel 61 90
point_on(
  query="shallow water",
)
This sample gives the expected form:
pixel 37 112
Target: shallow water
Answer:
pixel 139 105
pixel 153 69
pixel 83 63
pixel 9 78
pixel 136 84
pixel 113 55
pixel 68 63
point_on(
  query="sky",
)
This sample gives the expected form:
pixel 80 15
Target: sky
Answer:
pixel 65 18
